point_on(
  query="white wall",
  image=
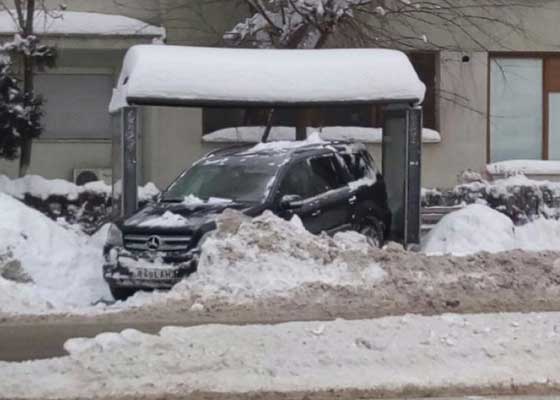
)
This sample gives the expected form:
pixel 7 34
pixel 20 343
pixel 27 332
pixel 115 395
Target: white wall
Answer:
pixel 462 109
pixel 57 159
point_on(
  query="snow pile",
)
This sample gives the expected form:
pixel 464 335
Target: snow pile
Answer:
pixel 37 186
pixel 81 23
pixel 253 259
pixel 478 228
pixel 193 201
pixel 394 357
pixel 44 266
pixel 527 167
pixel 253 134
pixel 191 75
pixel 167 219
pixel 314 138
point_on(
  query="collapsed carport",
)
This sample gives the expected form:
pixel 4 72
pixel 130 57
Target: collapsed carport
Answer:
pixel 173 76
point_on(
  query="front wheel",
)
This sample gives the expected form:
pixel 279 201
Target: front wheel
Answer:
pixel 372 229
pixel 120 293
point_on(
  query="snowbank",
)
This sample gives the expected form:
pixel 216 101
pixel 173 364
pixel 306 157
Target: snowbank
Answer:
pixel 249 260
pixel 253 134
pixel 385 358
pixel 82 23
pixel 478 228
pixel 42 188
pixel 43 266
pixel 168 75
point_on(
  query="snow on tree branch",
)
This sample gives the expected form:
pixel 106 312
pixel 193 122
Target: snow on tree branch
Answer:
pixel 292 23
pixel 405 24
pixel 19 114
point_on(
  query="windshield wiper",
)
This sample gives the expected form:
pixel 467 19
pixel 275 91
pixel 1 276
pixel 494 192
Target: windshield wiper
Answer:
pixel 171 200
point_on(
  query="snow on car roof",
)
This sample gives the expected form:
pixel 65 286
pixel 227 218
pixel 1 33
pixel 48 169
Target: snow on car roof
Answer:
pixel 196 76
pixel 82 23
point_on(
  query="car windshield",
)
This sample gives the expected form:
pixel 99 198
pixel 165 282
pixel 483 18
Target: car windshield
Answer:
pixel 242 180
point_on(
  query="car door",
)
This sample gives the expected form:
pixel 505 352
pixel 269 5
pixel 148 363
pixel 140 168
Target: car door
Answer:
pixel 324 195
pixel 368 197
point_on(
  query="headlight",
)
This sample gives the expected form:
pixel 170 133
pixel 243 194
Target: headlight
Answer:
pixel 114 236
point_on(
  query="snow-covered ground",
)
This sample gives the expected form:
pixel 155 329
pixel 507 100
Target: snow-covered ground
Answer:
pixel 267 269
pixel 387 357
pixel 249 265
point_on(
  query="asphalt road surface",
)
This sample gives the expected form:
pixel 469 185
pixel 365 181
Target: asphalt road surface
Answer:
pixel 31 342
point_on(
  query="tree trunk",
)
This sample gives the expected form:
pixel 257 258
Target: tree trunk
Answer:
pixel 27 141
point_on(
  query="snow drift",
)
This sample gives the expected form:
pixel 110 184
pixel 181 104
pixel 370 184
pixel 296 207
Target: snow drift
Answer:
pixel 394 357
pixel 250 259
pixel 43 266
pixel 479 228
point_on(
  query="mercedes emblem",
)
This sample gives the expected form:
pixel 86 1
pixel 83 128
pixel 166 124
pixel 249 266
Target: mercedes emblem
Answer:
pixel 153 243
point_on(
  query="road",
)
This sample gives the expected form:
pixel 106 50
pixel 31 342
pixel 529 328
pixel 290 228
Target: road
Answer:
pixel 21 343
pixel 26 342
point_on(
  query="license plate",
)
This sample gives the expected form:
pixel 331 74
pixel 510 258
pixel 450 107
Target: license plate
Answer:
pixel 154 274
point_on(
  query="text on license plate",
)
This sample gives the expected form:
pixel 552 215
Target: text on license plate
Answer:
pixel 158 274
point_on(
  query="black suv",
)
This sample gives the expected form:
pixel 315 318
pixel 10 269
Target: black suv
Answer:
pixel 331 186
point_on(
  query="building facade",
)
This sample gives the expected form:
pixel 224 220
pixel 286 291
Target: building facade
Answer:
pixel 488 105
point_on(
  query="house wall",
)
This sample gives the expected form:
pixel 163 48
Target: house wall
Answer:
pixel 172 137
pixel 462 103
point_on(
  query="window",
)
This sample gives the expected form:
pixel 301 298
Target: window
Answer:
pixel 216 118
pixel 516 108
pixel 312 177
pixel 425 66
pixel 524 107
pixel 76 105
pixel 358 166
pixel 325 174
pixel 246 181
pixel 298 181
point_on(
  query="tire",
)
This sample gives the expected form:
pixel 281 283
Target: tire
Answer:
pixel 372 229
pixel 120 293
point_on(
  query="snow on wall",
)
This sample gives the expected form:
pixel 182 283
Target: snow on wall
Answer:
pixel 175 73
pixel 82 23
pixel 527 167
pixel 253 134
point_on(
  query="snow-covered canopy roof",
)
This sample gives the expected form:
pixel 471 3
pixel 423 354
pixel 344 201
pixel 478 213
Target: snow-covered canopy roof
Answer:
pixel 197 76
pixel 82 23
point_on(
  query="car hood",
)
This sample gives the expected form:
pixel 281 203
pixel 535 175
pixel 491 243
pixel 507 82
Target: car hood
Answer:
pixel 178 217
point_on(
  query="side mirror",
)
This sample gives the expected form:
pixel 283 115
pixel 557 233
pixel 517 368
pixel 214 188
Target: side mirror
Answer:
pixel 291 201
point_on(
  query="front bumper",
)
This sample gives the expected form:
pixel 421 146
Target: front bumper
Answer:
pixel 140 271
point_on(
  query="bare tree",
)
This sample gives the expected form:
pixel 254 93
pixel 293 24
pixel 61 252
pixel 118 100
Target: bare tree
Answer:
pixel 403 24
pixel 26 45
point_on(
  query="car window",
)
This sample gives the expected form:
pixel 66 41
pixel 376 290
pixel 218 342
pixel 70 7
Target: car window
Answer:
pixel 297 181
pixel 325 174
pixel 246 181
pixel 311 177
pixel 358 166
